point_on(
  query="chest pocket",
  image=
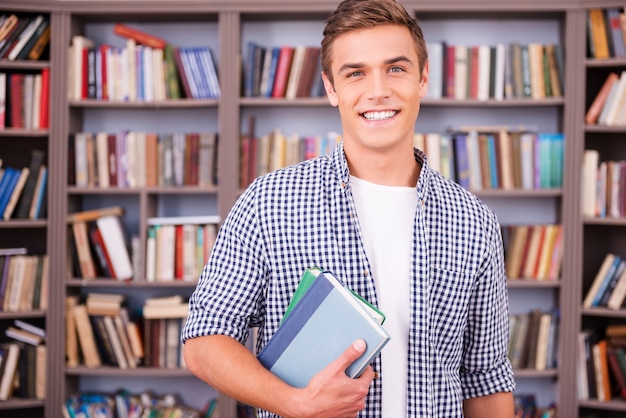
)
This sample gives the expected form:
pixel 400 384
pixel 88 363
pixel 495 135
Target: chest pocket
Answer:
pixel 450 292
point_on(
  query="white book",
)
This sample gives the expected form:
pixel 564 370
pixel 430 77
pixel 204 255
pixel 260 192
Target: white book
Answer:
pixel 75 73
pixel 484 72
pixel 461 64
pixel 182 220
pixel 499 72
pixel 102 157
pixel 473 155
pixel 151 255
pixel 295 71
pixel 3 99
pixel 36 100
pixel 110 228
pixel 591 159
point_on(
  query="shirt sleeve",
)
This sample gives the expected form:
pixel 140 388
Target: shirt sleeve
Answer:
pixel 485 367
pixel 227 299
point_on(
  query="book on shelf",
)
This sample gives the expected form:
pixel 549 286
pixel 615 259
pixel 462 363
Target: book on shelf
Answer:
pixel 23 336
pixel 593 113
pixel 330 318
pixel 22 210
pixel 608 266
pixel 140 36
pixel 11 354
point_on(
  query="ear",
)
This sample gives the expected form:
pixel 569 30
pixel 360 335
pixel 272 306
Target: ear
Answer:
pixel 330 91
pixel 424 81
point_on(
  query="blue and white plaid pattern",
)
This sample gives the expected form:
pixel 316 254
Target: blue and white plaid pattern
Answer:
pixel 304 216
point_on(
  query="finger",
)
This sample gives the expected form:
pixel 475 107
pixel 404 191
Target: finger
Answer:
pixel 352 353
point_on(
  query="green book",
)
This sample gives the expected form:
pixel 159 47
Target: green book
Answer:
pixel 309 276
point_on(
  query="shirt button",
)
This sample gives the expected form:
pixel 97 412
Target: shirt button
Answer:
pixel 343 184
pixel 366 272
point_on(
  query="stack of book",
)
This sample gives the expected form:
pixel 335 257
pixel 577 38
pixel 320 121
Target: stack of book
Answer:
pixel 100 331
pixel 147 68
pixel 533 252
pixel 23 361
pixel 23 37
pixel 178 247
pixel 130 159
pixel 533 340
pixel 483 158
pixel 606 32
pixel 23 191
pixel 25 100
pixel 608 288
pixel 495 72
pixel 602 363
pixel 163 319
pixel 24 281
pixel 282 71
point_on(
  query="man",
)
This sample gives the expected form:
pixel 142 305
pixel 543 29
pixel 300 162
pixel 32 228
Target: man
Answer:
pixel 422 248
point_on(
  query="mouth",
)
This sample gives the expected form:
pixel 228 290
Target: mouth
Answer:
pixel 377 116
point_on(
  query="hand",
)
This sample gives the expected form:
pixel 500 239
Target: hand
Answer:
pixel 331 393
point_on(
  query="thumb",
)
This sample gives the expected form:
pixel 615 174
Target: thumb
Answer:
pixel 353 352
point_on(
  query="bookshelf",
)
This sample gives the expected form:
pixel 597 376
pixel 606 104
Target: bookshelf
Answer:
pixel 596 236
pixel 226 26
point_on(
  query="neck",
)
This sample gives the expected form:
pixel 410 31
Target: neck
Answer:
pixel 388 169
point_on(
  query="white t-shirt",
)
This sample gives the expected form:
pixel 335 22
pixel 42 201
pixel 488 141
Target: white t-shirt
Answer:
pixel 386 215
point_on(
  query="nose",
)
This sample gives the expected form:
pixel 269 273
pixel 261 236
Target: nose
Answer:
pixel 378 87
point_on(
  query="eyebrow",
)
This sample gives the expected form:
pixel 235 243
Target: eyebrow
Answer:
pixel 357 65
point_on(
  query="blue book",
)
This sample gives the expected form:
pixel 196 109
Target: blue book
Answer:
pixel 322 325
pixel 461 159
pixel 9 180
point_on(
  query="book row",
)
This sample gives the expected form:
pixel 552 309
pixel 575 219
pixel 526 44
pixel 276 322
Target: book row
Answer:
pixel 139 72
pixel 24 281
pixel 24 100
pixel 533 251
pixel 533 341
pixel 609 105
pixel 23 362
pixel 24 37
pixel 101 332
pixel 602 364
pixel 131 159
pixel 179 250
pixel 498 72
pixel 603 186
pixel 606 32
pixel 496 159
pixel 608 288
pixel 23 191
pixel 283 71
pixel 274 150
pixel 125 404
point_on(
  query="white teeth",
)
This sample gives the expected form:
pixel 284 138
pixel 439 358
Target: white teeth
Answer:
pixel 379 115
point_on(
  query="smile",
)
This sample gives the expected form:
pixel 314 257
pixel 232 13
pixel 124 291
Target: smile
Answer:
pixel 387 114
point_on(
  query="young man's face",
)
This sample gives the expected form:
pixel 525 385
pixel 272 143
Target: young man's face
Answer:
pixel 377 86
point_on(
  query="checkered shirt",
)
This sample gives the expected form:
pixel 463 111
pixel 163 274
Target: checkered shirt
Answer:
pixel 304 216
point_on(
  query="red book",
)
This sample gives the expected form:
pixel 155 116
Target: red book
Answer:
pixel 282 71
pixel 139 36
pixel 44 110
pixel 473 72
pixel 85 71
pixel 17 99
pixel 449 71
pixel 181 72
pixel 178 258
pixel 103 51
pixel 112 139
pixel 97 239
